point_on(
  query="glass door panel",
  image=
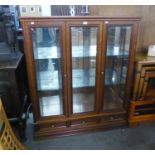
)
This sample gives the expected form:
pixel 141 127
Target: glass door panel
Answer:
pixel 47 57
pixel 117 58
pixel 84 51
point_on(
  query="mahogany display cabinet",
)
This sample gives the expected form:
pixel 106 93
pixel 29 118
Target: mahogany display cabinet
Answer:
pixel 80 72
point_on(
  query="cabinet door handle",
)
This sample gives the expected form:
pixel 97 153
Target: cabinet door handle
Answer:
pixel 53 126
pixel 32 23
pixel 83 122
pixel 102 73
pixel 65 75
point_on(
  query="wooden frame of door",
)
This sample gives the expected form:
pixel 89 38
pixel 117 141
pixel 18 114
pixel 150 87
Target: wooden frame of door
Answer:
pixel 69 64
pixel 132 49
pixel 30 61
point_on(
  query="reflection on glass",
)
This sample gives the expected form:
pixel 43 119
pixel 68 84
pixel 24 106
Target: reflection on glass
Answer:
pixel 151 84
pixel 47 55
pixel 84 50
pixel 117 55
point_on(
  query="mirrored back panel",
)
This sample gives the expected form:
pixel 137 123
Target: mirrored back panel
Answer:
pixel 116 66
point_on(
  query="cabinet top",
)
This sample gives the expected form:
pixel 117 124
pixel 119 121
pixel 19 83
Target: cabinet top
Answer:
pixel 10 61
pixel 142 58
pixel 79 17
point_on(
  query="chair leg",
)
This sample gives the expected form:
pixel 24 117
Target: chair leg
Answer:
pixel 22 129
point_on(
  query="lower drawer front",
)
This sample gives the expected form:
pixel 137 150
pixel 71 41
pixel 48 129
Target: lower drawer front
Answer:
pixel 84 122
pixel 79 123
pixel 113 118
pixel 51 126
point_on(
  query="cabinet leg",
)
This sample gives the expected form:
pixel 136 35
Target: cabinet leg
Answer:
pixel 133 124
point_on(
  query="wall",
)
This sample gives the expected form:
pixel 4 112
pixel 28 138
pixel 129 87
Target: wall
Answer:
pixel 25 10
pixel 147 25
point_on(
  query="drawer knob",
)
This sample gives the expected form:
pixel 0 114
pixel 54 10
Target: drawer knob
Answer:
pixel 83 122
pixel 111 118
pixel 53 126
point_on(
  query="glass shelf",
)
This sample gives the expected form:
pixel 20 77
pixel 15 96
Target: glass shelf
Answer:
pixel 117 53
pixel 48 80
pixel 47 53
pixel 79 51
pixel 53 52
pixel 81 80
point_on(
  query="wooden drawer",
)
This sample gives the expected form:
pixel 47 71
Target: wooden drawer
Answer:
pixel 84 122
pixel 113 118
pixel 51 126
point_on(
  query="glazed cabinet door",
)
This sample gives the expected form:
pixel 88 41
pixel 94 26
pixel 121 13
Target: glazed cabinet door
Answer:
pixel 117 64
pixel 83 55
pixel 47 82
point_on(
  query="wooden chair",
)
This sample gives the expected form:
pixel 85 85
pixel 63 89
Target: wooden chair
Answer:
pixel 8 140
